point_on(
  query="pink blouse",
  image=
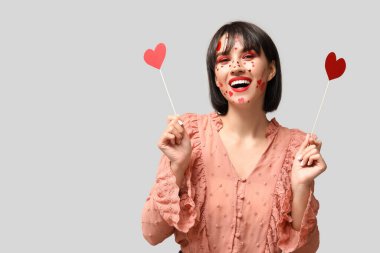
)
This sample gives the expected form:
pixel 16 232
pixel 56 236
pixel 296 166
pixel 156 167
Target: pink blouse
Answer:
pixel 216 211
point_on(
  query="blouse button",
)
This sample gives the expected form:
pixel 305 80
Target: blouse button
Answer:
pixel 257 245
pixel 241 197
pixel 239 215
pixel 244 180
pixel 237 235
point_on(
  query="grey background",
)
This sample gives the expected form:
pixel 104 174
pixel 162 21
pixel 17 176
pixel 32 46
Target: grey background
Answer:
pixel 81 112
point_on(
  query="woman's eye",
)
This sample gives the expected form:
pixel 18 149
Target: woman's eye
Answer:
pixel 249 56
pixel 223 59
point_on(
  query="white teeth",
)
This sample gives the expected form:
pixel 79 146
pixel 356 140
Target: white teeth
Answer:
pixel 240 82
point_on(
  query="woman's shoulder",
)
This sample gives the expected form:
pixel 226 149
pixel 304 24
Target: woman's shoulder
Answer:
pixel 296 135
pixel 192 116
pixel 195 122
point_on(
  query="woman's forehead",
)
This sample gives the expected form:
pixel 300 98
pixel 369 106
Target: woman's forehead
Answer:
pixel 227 42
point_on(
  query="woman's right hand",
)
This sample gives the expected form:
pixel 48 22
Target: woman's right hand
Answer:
pixel 175 143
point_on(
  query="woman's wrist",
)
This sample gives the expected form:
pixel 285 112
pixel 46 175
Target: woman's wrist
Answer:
pixel 179 171
pixel 302 187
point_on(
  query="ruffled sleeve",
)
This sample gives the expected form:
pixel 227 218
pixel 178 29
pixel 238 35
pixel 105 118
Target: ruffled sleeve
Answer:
pixel 289 239
pixel 169 206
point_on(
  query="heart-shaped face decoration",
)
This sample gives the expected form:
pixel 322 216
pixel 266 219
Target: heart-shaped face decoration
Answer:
pixel 334 68
pixel 155 58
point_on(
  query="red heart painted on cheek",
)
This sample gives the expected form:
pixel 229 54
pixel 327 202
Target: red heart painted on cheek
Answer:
pixel 334 68
pixel 231 93
pixel 258 83
pixel 155 58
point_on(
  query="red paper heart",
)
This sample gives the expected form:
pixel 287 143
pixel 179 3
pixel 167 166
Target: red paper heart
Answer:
pixel 155 58
pixel 334 68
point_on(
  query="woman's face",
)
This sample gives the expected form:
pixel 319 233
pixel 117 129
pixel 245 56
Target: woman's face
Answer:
pixel 242 76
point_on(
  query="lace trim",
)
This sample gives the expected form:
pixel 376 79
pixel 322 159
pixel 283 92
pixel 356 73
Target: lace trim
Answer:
pixel 181 206
pixel 280 230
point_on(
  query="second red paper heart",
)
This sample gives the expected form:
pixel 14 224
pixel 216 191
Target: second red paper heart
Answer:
pixel 334 68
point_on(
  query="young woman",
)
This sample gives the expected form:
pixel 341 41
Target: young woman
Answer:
pixel 231 180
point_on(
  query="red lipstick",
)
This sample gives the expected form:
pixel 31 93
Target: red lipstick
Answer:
pixel 240 89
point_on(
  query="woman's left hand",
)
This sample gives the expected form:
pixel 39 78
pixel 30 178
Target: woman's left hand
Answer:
pixel 308 163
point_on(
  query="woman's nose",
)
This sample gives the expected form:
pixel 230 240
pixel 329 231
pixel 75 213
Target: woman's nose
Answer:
pixel 237 68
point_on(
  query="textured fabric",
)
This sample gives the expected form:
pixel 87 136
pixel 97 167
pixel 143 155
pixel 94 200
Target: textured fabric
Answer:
pixel 216 211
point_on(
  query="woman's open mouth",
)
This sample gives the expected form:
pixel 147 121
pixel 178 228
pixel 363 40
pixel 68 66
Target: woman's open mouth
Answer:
pixel 240 84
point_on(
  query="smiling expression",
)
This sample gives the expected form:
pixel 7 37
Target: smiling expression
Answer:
pixel 241 75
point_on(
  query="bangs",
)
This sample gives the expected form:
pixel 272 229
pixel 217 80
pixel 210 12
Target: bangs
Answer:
pixel 250 40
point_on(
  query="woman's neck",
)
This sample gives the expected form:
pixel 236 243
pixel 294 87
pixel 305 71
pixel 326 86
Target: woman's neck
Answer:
pixel 245 121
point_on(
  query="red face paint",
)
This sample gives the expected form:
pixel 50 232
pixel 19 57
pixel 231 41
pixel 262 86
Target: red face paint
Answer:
pixel 222 59
pixel 258 83
pixel 261 85
pixel 231 93
pixel 218 46
pixel 241 100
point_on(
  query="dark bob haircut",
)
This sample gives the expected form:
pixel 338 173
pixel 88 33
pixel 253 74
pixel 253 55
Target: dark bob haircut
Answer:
pixel 254 38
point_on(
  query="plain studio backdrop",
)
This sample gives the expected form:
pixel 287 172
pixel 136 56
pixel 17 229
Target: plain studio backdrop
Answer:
pixel 81 113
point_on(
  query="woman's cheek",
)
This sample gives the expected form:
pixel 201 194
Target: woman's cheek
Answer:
pixel 223 88
pixel 261 84
pixel 249 65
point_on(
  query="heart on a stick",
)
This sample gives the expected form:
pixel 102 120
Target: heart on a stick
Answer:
pixel 155 57
pixel 334 68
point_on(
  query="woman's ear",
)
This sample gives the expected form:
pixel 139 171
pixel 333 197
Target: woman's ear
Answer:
pixel 272 70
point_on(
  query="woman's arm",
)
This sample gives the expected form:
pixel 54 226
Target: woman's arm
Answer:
pixel 165 211
pixel 301 195
pixel 161 200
